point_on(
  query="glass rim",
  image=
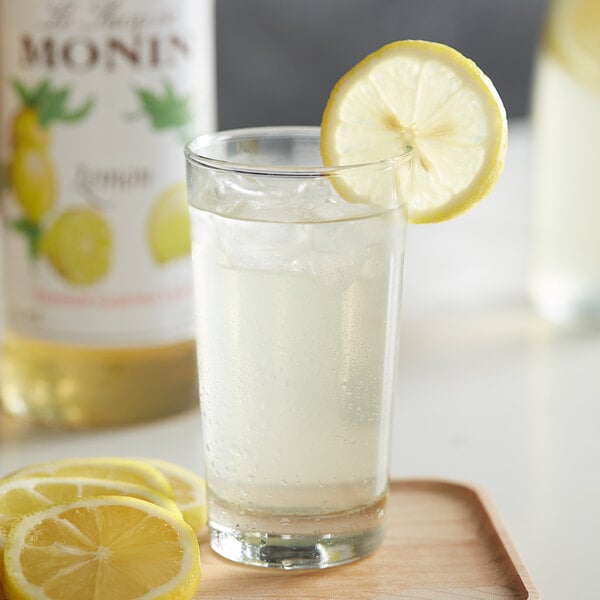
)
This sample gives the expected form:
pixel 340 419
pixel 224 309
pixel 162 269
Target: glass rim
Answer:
pixel 206 140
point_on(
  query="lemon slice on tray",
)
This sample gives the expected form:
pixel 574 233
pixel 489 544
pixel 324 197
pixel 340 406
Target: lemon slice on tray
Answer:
pixel 426 97
pixel 112 468
pixel 19 497
pixel 189 492
pixel 109 547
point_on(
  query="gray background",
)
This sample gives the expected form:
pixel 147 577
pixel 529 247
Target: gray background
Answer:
pixel 277 60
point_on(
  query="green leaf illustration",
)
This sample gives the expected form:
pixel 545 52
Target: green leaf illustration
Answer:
pixel 22 93
pixel 79 113
pixel 40 92
pixel 32 233
pixel 50 103
pixel 165 109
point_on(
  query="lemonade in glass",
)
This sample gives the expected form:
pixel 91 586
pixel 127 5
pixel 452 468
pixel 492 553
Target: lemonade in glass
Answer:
pixel 298 297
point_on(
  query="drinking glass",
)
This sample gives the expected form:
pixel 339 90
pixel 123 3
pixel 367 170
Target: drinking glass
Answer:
pixel 565 251
pixel 297 309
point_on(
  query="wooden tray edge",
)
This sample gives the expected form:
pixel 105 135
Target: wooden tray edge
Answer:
pixel 488 505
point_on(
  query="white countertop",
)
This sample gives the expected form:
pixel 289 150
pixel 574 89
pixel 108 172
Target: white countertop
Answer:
pixel 489 395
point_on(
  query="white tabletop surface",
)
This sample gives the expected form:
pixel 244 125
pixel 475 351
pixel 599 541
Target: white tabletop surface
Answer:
pixel 488 395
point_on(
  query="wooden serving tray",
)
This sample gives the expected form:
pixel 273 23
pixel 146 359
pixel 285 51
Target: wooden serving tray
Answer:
pixel 444 541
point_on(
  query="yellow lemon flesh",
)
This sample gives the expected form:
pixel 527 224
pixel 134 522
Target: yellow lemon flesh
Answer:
pixel 116 548
pixel 109 468
pixel 78 246
pixel 423 97
pixel 169 225
pixel 189 492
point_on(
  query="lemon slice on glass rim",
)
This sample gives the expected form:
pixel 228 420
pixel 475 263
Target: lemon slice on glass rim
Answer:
pixel 426 97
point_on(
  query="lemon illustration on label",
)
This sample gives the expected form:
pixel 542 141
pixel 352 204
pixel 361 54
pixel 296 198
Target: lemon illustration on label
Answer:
pixel 33 181
pixel 31 172
pixel 168 225
pixel 27 130
pixel 78 245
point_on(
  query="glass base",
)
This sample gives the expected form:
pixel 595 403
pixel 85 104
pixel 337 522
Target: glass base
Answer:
pixel 290 552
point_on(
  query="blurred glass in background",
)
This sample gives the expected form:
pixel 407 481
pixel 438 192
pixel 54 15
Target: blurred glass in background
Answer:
pixel 296 51
pixel 565 284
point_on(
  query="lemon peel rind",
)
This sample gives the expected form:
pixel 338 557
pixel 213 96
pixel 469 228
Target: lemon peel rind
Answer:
pixel 483 180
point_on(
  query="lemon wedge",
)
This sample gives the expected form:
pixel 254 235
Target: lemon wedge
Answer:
pixel 189 491
pixel 108 467
pixel 426 97
pixel 109 547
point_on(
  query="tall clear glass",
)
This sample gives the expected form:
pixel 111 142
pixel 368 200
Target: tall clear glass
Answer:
pixel 297 308
pixel 565 277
